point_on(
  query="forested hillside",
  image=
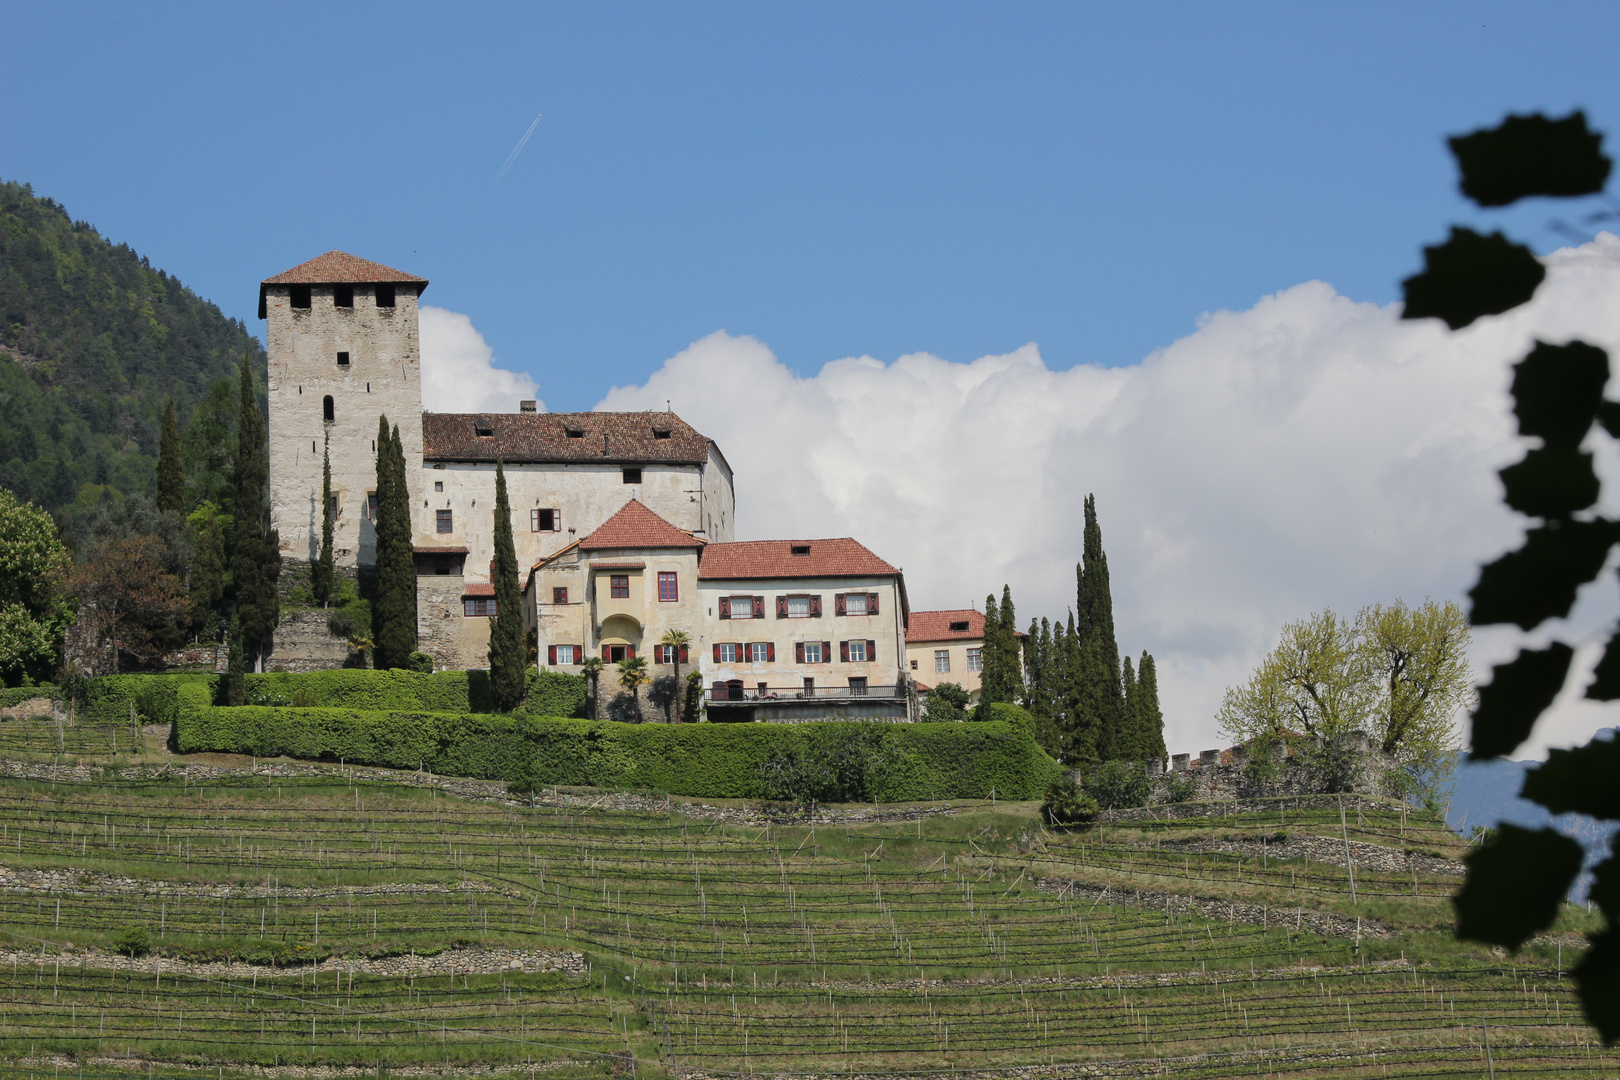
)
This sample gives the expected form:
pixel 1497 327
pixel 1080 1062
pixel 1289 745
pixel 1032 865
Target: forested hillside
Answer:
pixel 93 340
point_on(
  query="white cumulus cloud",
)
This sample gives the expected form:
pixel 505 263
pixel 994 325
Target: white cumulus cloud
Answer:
pixel 458 368
pixel 1309 452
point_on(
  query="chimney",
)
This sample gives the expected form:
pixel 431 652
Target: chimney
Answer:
pixel 526 406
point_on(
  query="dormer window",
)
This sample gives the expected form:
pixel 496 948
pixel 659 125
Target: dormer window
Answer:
pixel 660 434
pixel 576 433
pixel 484 432
pixel 959 627
pixel 800 549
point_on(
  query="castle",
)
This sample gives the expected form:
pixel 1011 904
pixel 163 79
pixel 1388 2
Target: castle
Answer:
pixel 623 522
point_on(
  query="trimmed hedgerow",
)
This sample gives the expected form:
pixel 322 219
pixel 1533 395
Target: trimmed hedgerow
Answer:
pixel 16 695
pixel 835 761
pixel 550 693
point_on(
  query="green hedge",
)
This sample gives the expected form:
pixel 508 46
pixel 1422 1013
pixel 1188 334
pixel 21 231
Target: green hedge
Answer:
pixel 549 693
pixel 16 695
pixel 871 761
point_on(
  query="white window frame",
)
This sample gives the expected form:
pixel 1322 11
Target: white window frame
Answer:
pixel 850 602
pixel 857 645
pixel 746 601
pixel 812 653
pixel 942 661
pixel 763 648
pixel 798 601
pixel 565 654
pixel 729 646
pixel 975 660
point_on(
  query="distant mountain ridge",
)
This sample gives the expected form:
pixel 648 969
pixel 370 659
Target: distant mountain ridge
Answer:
pixel 93 340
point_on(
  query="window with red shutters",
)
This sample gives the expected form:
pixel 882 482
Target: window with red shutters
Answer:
pixel 607 652
pixel 871 652
pixel 843 651
pixel 684 660
pixel 770 652
pixel 871 603
pixel 717 652
pixel 781 607
pixel 815 606
pixel 551 655
pixel 725 607
pixel 798 652
pixel 839 607
pixel 826 652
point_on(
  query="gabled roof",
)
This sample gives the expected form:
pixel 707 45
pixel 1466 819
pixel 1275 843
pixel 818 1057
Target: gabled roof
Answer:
pixel 608 438
pixel 936 625
pixel 339 267
pixel 757 559
pixel 635 526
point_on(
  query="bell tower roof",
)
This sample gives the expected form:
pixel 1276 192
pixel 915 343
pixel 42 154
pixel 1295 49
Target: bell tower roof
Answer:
pixel 340 268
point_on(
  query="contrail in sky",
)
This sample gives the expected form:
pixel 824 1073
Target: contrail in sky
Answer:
pixel 518 149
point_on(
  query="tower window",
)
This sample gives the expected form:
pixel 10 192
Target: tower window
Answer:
pixel 326 408
pixel 298 296
pixel 442 521
pixel 438 485
pixel 385 296
pixel 343 359
pixel 343 296
pixel 632 476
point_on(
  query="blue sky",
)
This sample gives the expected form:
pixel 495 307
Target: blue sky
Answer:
pixel 835 180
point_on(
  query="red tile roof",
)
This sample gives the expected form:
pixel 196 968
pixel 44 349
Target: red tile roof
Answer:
pixel 936 625
pixel 838 557
pixel 635 526
pixel 607 437
pixel 637 565
pixel 340 267
pixel 478 588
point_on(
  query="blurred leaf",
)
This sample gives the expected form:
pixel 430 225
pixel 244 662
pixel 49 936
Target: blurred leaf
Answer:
pixel 1515 884
pixel 1597 981
pixel 1531 155
pixel 1605 890
pixel 1551 482
pixel 1609 417
pixel 1519 691
pixel 1579 781
pixel 1558 391
pixel 1538 581
pixel 1606 685
pixel 1472 275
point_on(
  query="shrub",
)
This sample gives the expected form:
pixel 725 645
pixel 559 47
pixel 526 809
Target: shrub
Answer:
pixel 133 942
pixel 945 704
pixel 1067 804
pixel 419 662
pixel 16 695
pixel 1118 785
pixel 1179 788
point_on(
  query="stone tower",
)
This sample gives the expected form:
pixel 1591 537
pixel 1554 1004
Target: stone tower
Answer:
pixel 343 350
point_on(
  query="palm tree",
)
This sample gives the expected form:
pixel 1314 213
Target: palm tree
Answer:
pixel 591 668
pixel 676 640
pixel 632 674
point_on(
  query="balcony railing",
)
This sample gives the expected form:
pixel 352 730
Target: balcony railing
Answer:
pixel 742 695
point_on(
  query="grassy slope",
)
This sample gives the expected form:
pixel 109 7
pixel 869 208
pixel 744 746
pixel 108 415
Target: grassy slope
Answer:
pixel 898 945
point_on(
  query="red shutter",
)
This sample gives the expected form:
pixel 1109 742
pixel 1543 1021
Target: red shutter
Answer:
pixel 607 652
pixel 684 660
pixel 815 606
pixel 551 655
pixel 838 604
pixel 770 651
pixel 871 603
pixel 843 651
pixel 871 652
pixel 826 652
pixel 718 691
pixel 725 607
pixel 759 607
pixel 717 652
pixel 781 607
pixel 798 652
pixel 629 652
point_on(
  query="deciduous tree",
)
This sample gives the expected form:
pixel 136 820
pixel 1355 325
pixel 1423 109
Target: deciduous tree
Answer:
pixel 35 611
pixel 127 601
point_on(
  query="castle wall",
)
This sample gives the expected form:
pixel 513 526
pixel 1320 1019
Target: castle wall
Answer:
pixel 382 377
pixel 718 510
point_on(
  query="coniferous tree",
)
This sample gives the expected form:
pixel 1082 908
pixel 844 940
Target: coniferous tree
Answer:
pixel 321 573
pixel 1125 742
pixel 1001 678
pixel 506 652
pixel 1149 717
pixel 1100 703
pixel 256 560
pixel 393 614
pixel 234 662
pixel 1079 726
pixel 171 469
pixel 208 577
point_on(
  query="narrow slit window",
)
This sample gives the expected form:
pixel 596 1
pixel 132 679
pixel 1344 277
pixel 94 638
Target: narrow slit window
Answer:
pixel 328 411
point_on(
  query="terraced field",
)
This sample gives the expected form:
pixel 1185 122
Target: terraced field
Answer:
pixel 312 920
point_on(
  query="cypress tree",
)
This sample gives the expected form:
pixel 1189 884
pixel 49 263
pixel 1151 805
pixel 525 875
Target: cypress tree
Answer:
pixel 1125 744
pixel 506 653
pixel 171 468
pixel 1149 717
pixel 234 660
pixel 1100 698
pixel 393 615
pixel 1079 723
pixel 256 560
pixel 321 572
pixel 208 577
